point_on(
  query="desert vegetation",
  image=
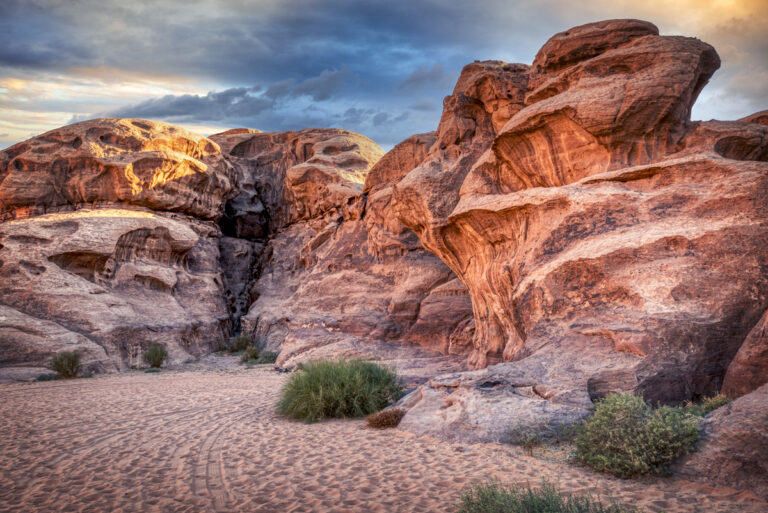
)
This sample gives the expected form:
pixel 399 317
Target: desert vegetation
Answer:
pixel 255 356
pixel 156 356
pixel 237 343
pixel 338 389
pixel 706 405
pixel 67 364
pixel 493 497
pixel 386 418
pixel 627 437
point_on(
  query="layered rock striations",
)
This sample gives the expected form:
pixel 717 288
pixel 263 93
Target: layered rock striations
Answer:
pixel 120 233
pixel 334 278
pixel 110 243
pixel 608 242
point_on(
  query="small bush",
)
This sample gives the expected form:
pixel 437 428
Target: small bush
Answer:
pixel 707 405
pixel 67 364
pixel 626 437
pixel 492 497
pixel 526 437
pixel 47 377
pixel 250 353
pixel 152 370
pixel 236 344
pixel 155 356
pixel 266 357
pixel 385 419
pixel 329 389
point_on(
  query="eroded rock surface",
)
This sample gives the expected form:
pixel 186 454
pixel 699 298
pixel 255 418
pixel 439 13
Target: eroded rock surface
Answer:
pixel 734 445
pixel 608 243
pixel 109 282
pixel 114 162
pixel 336 279
pixel 109 243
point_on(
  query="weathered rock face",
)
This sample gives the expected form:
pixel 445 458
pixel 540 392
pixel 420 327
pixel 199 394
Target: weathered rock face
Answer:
pixel 111 242
pixel 749 369
pixel 335 278
pixel 114 162
pixel 608 243
pixel 128 257
pixel 110 282
pixel 734 446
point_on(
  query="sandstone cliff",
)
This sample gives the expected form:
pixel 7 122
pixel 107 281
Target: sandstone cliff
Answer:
pixel 120 233
pixel 109 243
pixel 608 242
pixel 329 276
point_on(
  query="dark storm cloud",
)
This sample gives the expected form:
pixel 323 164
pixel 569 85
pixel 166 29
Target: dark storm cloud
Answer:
pixel 237 102
pixel 423 77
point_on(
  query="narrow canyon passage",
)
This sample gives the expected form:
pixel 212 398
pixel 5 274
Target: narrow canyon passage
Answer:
pixel 210 440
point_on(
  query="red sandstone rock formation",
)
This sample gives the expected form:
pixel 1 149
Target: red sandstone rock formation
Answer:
pixel 734 446
pixel 608 243
pixel 335 278
pixel 105 246
pixel 114 162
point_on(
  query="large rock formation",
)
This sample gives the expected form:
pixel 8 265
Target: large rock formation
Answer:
pixel 333 278
pixel 110 244
pixel 121 233
pixel 608 243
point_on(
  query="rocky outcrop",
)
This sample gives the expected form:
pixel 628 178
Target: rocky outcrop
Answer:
pixel 109 282
pixel 749 368
pixel 126 162
pixel 734 445
pixel 121 233
pixel 335 278
pixel 608 243
pixel 109 244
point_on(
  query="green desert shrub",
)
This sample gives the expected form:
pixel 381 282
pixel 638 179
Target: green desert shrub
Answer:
pixel 626 437
pixel 385 419
pixel 237 344
pixel 524 436
pixel 330 389
pixel 67 364
pixel 492 497
pixel 251 353
pixel 155 356
pixel 266 357
pixel 708 404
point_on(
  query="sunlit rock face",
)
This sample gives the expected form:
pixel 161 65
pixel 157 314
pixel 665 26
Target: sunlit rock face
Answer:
pixel 119 233
pixel 608 243
pixel 114 162
pixel 109 244
pixel 332 276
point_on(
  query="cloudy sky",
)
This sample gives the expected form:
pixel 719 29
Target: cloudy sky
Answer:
pixel 380 68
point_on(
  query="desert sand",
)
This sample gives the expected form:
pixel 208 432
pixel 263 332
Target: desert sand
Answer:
pixel 209 439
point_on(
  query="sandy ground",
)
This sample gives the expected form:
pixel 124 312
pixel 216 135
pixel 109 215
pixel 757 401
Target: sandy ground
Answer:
pixel 210 441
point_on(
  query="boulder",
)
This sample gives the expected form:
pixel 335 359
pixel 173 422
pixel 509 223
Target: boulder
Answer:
pixel 733 450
